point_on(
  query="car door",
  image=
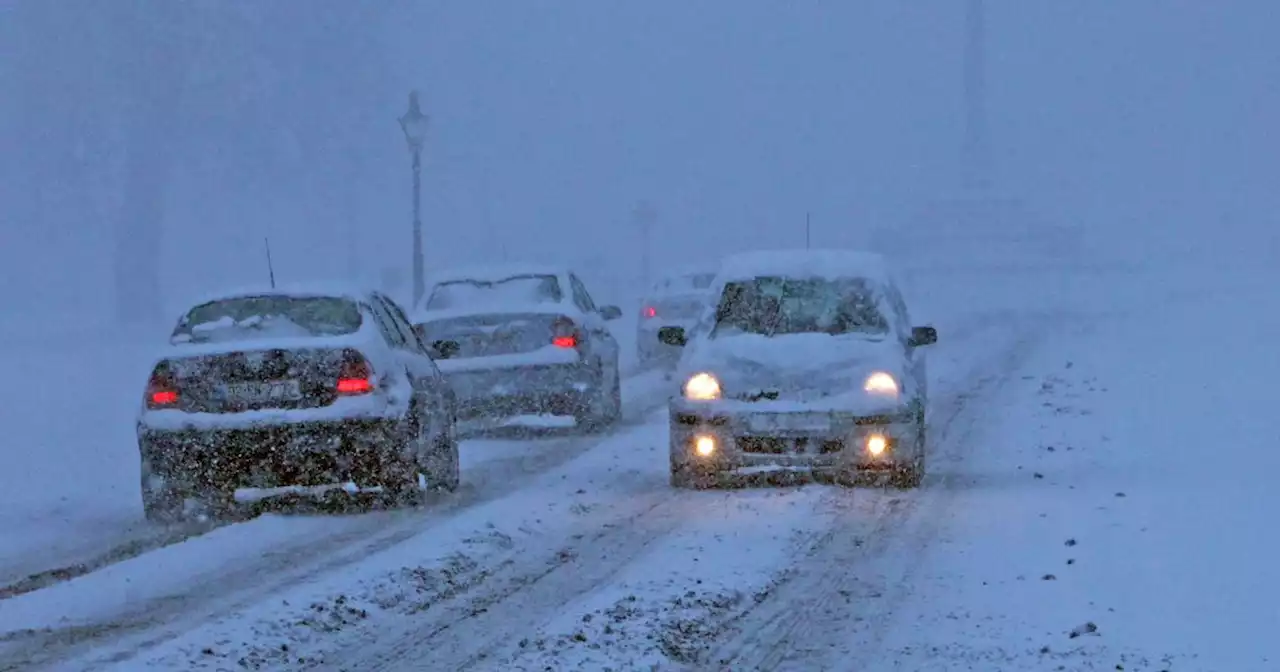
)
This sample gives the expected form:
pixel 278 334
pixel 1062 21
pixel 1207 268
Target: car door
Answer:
pixel 603 344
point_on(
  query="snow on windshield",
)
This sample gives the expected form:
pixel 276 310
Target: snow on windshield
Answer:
pixel 517 290
pixel 777 305
pixel 253 317
pixel 685 283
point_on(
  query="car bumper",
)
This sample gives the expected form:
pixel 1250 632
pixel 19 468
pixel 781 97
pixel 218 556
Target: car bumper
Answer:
pixel 747 441
pixel 217 462
pixel 558 389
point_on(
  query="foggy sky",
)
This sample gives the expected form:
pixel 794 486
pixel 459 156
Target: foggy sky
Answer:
pixel 1142 119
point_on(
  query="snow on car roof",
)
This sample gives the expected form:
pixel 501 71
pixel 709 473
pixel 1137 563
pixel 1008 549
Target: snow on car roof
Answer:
pixel 492 272
pixel 687 270
pixel 352 292
pixel 566 308
pixel 806 263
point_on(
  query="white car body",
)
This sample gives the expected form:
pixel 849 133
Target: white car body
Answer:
pixel 508 362
pixel 260 403
pixel 677 300
pixel 802 401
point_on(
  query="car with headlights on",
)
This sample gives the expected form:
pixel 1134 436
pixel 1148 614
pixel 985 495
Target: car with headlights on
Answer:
pixel 305 392
pixel 677 300
pixel 523 339
pixel 810 364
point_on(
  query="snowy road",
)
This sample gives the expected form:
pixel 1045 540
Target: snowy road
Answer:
pixel 1046 537
pixel 152 575
pixel 544 532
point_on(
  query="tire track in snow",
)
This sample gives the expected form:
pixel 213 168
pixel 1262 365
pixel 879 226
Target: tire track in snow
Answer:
pixel 476 626
pixel 241 585
pixel 808 608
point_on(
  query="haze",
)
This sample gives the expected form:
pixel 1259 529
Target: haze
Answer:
pixel 551 120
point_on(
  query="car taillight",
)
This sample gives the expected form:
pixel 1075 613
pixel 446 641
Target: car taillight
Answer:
pixel 650 312
pixel 564 333
pixel 355 375
pixel 162 387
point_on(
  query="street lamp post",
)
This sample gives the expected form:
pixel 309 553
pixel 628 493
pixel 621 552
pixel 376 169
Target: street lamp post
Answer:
pixel 414 124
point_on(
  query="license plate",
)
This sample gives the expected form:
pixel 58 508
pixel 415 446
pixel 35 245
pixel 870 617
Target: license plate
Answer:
pixel 262 392
pixel 791 422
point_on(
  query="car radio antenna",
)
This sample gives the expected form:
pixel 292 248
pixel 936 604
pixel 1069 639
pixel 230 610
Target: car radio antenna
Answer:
pixel 806 230
pixel 271 271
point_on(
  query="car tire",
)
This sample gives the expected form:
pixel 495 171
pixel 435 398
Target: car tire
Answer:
pixel 399 474
pixel 605 406
pixel 443 469
pixel 615 395
pixel 163 508
pixel 912 475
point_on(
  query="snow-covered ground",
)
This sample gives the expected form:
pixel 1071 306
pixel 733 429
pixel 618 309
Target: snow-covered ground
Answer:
pixel 1098 499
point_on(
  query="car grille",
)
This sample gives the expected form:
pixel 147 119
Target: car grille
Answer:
pixel 769 445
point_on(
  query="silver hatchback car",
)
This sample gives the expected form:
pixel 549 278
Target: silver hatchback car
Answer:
pixel 810 364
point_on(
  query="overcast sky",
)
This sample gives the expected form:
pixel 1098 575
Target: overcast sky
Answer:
pixel 552 118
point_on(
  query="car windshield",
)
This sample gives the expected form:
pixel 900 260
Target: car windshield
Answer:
pixel 777 305
pixel 520 289
pixel 250 317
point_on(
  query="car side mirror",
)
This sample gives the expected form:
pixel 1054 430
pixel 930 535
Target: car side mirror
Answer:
pixel 673 336
pixel 444 349
pixel 923 336
pixel 610 312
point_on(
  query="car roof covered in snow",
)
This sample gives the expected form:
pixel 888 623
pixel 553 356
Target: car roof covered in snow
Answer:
pixel 828 263
pixel 687 270
pixel 493 272
pixel 310 289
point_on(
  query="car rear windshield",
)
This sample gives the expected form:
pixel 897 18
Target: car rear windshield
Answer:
pixel 686 283
pixel 250 317
pixel 778 305
pixel 517 290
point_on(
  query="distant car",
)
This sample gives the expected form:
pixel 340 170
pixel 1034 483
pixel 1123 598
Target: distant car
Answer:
pixel 523 339
pixel 281 390
pixel 677 300
pixel 810 364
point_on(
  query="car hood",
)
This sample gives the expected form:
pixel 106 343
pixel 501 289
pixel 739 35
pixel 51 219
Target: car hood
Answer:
pixel 798 367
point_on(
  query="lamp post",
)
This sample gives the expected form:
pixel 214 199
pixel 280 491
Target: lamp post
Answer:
pixel 414 124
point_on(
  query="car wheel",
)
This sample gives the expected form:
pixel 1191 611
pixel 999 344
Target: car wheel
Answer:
pixel 615 395
pixel 167 505
pixel 912 475
pixel 164 507
pixel 598 411
pixel 443 469
pixel 398 474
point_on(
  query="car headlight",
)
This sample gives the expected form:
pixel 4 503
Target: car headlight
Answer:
pixel 881 384
pixel 702 387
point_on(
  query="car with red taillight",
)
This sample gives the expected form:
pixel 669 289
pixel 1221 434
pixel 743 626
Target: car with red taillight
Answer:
pixel 523 339
pixel 679 299
pixel 273 392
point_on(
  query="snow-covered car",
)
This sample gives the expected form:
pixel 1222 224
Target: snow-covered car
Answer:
pixel 810 364
pixel 677 300
pixel 264 393
pixel 523 339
